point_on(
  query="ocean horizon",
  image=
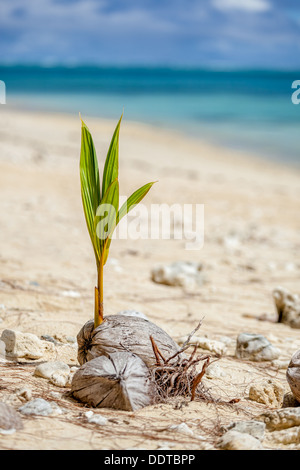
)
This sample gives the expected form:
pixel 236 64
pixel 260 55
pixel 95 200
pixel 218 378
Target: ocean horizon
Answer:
pixel 246 110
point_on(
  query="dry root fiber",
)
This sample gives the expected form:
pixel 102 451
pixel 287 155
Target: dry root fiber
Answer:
pixel 123 333
pixel 120 381
pixel 180 378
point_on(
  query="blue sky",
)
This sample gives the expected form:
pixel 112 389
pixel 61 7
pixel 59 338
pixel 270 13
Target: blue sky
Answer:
pixel 215 33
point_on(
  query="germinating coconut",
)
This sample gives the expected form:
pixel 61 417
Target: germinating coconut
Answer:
pixel 121 333
pixel 119 381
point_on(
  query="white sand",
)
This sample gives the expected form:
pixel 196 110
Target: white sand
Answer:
pixel 251 246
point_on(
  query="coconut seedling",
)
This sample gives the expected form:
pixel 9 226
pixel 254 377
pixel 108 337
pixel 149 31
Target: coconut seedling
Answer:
pixel 107 334
pixel 101 205
pixel 126 361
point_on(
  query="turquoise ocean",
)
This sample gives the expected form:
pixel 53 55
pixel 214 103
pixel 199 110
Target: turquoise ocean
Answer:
pixel 248 110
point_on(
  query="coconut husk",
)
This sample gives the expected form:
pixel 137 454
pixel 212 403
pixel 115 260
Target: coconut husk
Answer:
pixel 120 381
pixel 124 333
pixel 293 375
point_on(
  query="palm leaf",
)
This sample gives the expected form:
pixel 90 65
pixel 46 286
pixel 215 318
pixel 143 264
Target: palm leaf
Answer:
pixel 111 166
pixel 90 182
pixel 134 199
pixel 106 219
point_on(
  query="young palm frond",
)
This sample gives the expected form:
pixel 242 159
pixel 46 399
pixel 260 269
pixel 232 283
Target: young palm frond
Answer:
pixel 101 206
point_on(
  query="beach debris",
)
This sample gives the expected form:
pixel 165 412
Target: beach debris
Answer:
pixel 73 370
pixel 120 381
pixel 285 436
pixel 59 379
pixel 227 340
pixel 288 307
pixel 255 347
pixel 252 427
pixel 24 394
pixel 64 338
pixel 57 372
pixel 293 375
pixel 94 418
pixel 71 293
pixel 216 347
pixel 133 313
pixel 49 338
pixel 40 407
pixel 185 274
pixel 19 396
pixel 214 371
pixel 283 418
pixel 10 421
pixel 123 333
pixel 24 345
pixel 269 392
pixel 181 378
pixel 55 395
pixel 181 428
pixel 280 364
pixel 47 369
pixel 171 372
pixel 235 440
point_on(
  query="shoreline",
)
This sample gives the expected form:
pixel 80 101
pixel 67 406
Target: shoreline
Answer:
pixel 168 131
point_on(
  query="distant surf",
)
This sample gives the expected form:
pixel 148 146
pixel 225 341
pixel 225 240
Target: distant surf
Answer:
pixel 249 110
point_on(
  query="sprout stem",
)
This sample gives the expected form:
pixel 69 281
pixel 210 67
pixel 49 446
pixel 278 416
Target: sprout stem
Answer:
pixel 99 297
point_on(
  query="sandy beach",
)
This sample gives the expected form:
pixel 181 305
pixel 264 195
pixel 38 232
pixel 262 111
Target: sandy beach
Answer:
pixel 48 272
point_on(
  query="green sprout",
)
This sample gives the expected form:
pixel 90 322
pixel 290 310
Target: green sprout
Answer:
pixel 101 207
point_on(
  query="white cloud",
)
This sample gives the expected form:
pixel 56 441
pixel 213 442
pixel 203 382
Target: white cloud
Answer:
pixel 254 6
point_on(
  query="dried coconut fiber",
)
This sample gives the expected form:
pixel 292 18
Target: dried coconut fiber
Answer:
pixel 120 381
pixel 124 333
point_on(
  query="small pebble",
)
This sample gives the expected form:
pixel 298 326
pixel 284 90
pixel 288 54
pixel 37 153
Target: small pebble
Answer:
pixel 96 418
pixel 254 428
pixel 180 273
pixel 280 364
pixel 40 407
pixel 24 394
pixel 47 369
pixel 255 347
pixel 182 428
pixel 59 379
pixel 269 392
pixel 214 371
pixel 283 418
pixel 22 345
pixel 216 347
pixel 55 395
pixel 234 440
